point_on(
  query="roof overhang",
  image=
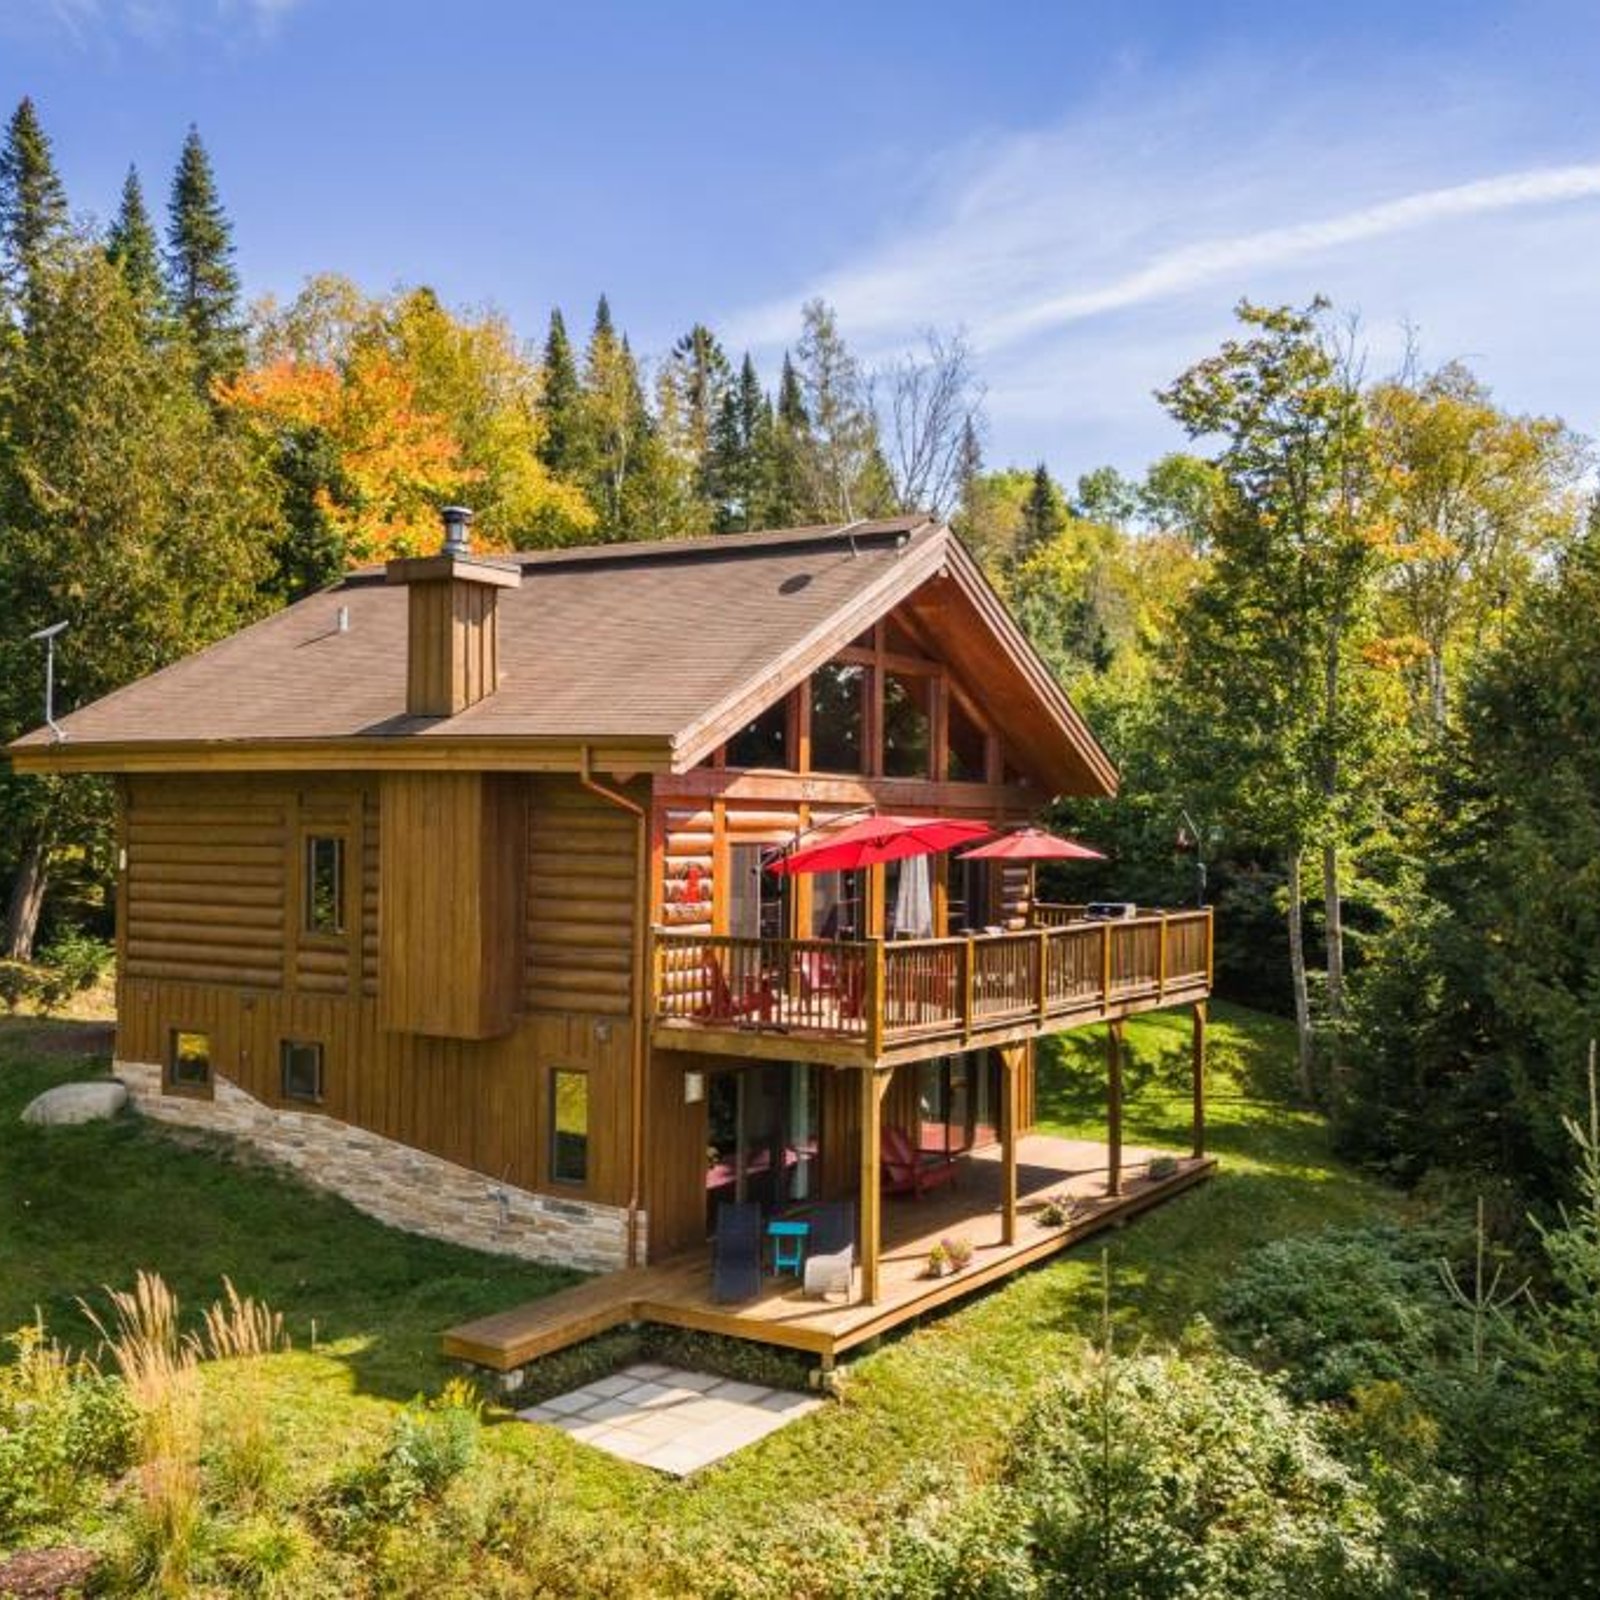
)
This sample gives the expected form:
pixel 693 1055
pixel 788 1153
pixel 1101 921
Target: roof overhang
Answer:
pixel 429 753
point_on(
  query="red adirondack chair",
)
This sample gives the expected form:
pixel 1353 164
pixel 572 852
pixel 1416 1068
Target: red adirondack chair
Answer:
pixel 905 1171
pixel 722 1005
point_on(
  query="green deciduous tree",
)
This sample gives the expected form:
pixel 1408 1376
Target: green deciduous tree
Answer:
pixel 1278 710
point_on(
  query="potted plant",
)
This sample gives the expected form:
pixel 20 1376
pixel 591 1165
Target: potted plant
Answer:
pixel 958 1249
pixel 938 1261
pixel 1057 1211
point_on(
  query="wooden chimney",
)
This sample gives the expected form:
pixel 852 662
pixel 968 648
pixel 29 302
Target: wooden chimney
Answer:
pixel 453 633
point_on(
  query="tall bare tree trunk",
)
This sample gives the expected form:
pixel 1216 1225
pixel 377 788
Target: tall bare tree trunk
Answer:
pixel 1297 969
pixel 1333 918
pixel 27 901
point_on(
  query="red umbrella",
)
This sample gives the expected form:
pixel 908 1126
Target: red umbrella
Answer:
pixel 1032 844
pixel 875 839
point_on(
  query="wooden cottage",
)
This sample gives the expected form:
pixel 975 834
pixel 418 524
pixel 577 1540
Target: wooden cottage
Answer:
pixel 448 886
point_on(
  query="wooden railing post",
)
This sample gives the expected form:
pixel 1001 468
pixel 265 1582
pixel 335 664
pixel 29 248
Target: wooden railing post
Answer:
pixel 1114 1108
pixel 1044 973
pixel 875 997
pixel 1010 1057
pixel 871 1185
pixel 1198 1063
pixel 1161 962
pixel 969 978
pixel 1105 963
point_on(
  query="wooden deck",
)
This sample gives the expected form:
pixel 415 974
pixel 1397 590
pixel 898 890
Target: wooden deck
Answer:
pixel 677 1293
pixel 879 1002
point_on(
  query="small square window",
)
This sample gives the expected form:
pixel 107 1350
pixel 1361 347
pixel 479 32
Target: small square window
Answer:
pixel 302 1070
pixel 569 1126
pixel 324 908
pixel 189 1060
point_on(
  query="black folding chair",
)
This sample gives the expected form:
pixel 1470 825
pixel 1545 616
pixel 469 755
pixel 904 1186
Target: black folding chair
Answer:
pixel 736 1253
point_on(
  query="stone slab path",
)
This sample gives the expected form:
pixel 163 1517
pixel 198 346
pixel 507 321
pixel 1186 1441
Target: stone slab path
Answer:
pixel 669 1419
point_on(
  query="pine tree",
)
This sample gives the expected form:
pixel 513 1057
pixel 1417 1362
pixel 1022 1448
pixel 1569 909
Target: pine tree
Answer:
pixel 787 439
pixel 33 207
pixel 738 461
pixel 132 247
pixel 559 401
pixel 201 277
pixel 1042 516
pixel 698 377
pixel 615 426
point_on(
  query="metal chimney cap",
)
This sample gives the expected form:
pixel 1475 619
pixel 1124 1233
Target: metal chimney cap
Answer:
pixel 457 522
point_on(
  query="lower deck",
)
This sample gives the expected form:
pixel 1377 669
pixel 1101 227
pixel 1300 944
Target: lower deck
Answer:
pixel 677 1292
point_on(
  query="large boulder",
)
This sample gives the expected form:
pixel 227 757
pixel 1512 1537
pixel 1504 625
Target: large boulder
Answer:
pixel 77 1102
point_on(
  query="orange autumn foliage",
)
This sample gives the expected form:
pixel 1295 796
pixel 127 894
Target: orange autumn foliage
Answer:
pixel 397 462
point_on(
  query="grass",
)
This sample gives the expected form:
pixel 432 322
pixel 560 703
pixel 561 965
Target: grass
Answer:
pixel 87 1206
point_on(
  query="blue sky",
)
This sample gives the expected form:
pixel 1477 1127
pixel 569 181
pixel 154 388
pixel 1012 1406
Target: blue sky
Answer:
pixel 1086 190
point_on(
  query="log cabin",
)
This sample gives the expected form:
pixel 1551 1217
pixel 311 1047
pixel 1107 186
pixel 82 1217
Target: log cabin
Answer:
pixel 448 886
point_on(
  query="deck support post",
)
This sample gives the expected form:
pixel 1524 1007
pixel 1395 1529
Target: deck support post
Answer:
pixel 1198 1060
pixel 1010 1064
pixel 873 1083
pixel 1114 1108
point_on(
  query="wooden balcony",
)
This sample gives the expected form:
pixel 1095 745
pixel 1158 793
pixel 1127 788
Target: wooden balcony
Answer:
pixel 876 1002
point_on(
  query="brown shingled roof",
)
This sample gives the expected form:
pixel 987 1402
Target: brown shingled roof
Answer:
pixel 642 643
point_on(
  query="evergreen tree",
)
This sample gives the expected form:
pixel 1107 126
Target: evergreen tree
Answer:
pixel 132 247
pixel 201 277
pixel 1043 516
pixel 696 379
pixel 560 401
pixel 33 208
pixel 784 446
pixel 615 428
pixel 739 453
pixel 843 467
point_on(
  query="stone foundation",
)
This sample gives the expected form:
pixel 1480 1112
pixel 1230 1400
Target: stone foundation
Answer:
pixel 405 1188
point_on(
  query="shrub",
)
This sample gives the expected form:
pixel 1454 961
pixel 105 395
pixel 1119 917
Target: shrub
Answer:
pixel 64 1431
pixel 72 963
pixel 1188 1475
pixel 18 982
pixel 1345 1308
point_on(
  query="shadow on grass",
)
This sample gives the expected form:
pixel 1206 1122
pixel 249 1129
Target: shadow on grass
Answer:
pixel 85 1207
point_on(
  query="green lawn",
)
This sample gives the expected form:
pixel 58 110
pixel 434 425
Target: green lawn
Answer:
pixel 87 1206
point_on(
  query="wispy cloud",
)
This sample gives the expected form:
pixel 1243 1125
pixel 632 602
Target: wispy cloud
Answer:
pixel 104 24
pixel 1090 260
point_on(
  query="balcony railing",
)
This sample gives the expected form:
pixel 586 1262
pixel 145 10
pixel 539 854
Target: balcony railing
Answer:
pixel 890 993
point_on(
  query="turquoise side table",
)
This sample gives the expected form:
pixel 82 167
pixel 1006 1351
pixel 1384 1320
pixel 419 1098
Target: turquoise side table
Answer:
pixel 788 1246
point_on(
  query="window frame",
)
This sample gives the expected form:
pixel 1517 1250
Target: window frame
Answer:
pixel 340 931
pixel 553 1143
pixel 285 1048
pixel 195 1089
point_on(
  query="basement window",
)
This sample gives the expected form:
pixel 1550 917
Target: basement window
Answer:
pixel 301 1067
pixel 188 1060
pixel 324 904
pixel 569 1126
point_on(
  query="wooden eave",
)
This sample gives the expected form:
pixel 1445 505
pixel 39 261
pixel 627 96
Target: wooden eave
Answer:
pixel 430 753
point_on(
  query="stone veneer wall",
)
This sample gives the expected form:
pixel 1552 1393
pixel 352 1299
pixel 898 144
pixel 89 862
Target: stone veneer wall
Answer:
pixel 406 1188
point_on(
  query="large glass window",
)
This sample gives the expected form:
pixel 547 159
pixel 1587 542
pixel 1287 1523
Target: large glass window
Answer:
pixel 970 906
pixel 324 903
pixel 839 905
pixel 188 1060
pixel 907 725
pixel 838 693
pixel 966 744
pixel 763 742
pixel 569 1126
pixel 758 900
pixel 300 1067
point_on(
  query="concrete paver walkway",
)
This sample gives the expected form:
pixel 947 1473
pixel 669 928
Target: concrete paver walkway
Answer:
pixel 670 1419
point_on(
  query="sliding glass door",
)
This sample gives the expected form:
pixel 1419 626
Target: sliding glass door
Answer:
pixel 764 1140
